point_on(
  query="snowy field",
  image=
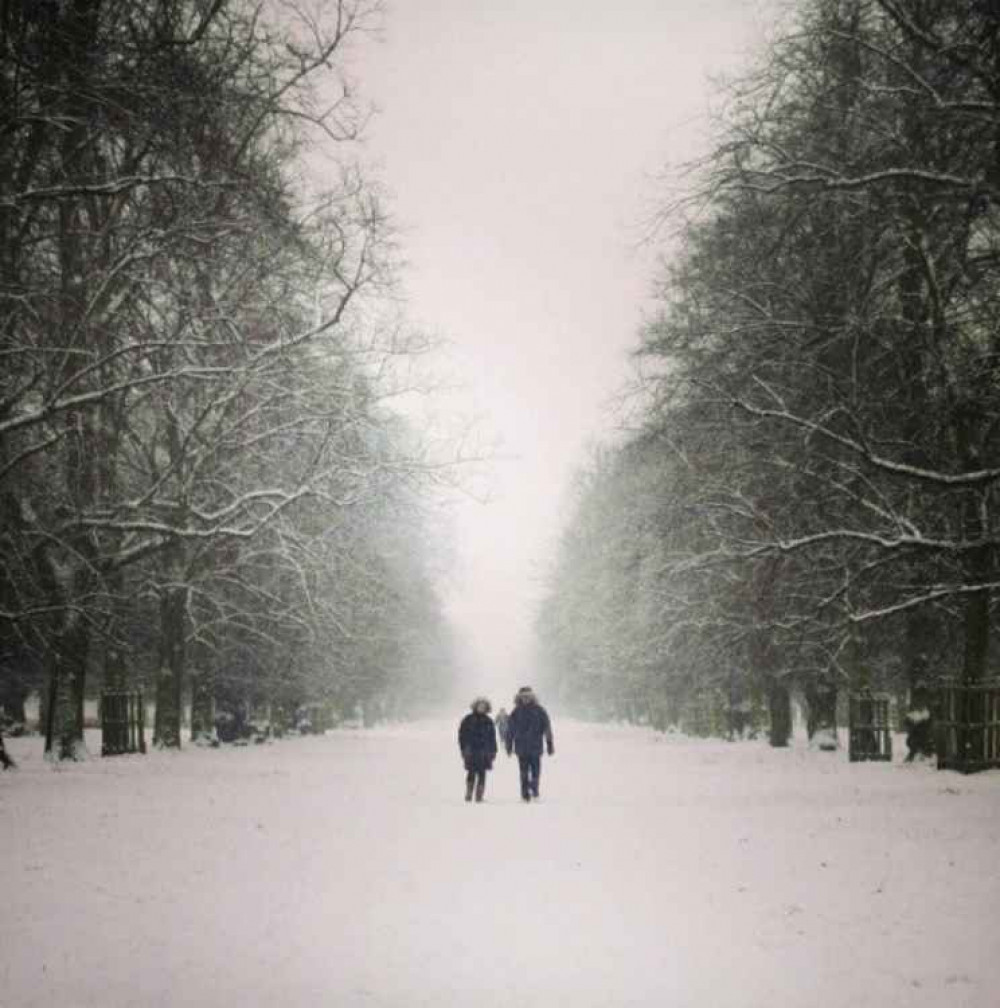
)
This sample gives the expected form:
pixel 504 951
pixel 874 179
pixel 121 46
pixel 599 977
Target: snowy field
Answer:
pixel 346 870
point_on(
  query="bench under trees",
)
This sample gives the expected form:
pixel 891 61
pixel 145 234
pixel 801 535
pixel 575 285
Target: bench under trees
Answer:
pixel 123 722
pixel 967 727
pixel 869 727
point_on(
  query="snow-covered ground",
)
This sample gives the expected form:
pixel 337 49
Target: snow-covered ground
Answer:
pixel 346 870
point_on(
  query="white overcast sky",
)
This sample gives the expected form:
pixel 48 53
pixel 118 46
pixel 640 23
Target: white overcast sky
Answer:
pixel 519 140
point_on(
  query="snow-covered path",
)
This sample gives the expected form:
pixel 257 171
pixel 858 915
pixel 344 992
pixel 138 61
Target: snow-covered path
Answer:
pixel 346 870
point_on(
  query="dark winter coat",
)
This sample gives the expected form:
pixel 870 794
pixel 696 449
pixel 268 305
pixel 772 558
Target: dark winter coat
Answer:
pixel 527 727
pixel 477 738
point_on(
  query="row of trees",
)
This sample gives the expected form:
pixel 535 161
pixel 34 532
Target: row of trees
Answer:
pixel 811 498
pixel 202 485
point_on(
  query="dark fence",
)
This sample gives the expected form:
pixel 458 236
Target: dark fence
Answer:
pixel 869 728
pixel 123 723
pixel 967 729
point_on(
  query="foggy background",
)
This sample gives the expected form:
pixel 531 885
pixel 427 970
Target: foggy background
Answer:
pixel 520 144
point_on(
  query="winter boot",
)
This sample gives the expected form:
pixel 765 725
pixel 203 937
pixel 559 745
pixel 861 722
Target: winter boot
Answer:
pixel 468 791
pixel 480 790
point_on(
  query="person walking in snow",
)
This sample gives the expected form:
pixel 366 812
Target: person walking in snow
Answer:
pixel 477 740
pixel 528 727
pixel 501 723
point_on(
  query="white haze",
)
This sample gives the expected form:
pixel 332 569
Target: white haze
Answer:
pixel 519 143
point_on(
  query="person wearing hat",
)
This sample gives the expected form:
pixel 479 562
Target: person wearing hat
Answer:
pixel 528 727
pixel 477 740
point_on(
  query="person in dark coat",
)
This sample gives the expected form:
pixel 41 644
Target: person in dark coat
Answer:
pixel 528 727
pixel 477 740
pixel 5 761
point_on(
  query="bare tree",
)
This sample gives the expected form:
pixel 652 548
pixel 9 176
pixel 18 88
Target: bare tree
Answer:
pixel 164 277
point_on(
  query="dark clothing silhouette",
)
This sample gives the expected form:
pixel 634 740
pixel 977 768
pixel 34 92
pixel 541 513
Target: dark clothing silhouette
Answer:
pixel 531 770
pixel 477 739
pixel 528 729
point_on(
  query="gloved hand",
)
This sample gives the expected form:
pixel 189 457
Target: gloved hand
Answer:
pixel 552 750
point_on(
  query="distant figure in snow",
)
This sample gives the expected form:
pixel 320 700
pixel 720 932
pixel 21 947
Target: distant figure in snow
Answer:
pixel 477 739
pixel 501 723
pixel 527 728
pixel 919 723
pixel 5 761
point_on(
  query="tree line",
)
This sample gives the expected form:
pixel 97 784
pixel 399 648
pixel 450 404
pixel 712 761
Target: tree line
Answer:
pixel 202 484
pixel 809 499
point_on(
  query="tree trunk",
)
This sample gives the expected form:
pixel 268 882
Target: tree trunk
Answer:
pixel 14 698
pixel 977 623
pixel 68 670
pixel 779 702
pixel 170 676
pixel 115 674
pixel 369 712
pixel 764 662
pixel 67 681
pixel 978 566
pixel 821 717
pixel 202 704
